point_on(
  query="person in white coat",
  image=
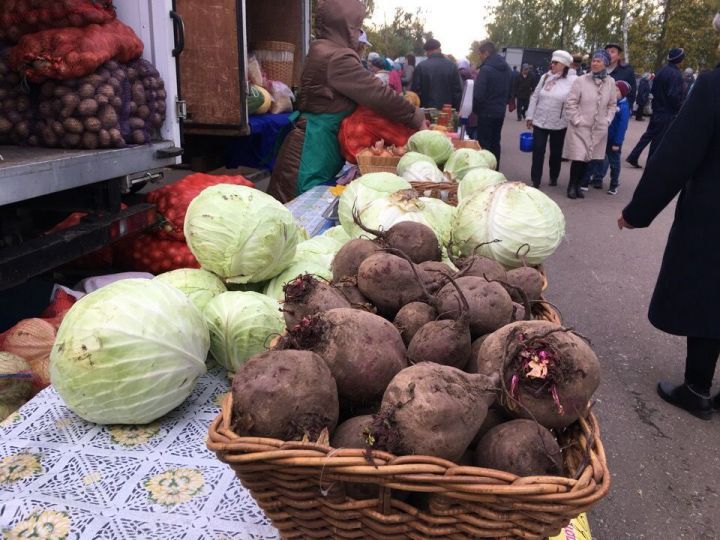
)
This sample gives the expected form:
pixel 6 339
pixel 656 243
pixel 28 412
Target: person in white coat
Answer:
pixel 589 109
pixel 546 116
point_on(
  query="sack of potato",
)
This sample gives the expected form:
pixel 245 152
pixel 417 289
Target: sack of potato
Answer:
pixel 119 104
pixel 15 106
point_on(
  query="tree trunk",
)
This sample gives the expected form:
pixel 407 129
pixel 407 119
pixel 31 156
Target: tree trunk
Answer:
pixel 661 45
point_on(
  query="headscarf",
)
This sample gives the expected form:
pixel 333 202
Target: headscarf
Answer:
pixel 603 55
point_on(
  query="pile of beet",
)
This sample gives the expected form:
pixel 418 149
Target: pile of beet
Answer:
pixel 404 353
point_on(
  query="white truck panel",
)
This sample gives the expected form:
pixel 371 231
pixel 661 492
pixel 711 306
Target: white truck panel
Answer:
pixel 151 21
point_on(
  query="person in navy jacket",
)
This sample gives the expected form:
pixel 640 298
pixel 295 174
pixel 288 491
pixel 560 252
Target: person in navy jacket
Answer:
pixel 616 135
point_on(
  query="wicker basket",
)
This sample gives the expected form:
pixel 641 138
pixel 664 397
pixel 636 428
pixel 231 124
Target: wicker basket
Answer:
pixel 277 58
pixel 299 485
pixel 374 164
pixel 469 143
pixel 446 191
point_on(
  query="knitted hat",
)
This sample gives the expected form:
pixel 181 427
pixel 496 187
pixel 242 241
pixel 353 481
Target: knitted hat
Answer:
pixel 372 56
pixel 431 44
pixel 602 55
pixel 676 55
pixel 564 57
pixel 624 87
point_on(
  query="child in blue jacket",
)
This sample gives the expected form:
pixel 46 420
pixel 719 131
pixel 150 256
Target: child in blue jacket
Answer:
pixel 616 136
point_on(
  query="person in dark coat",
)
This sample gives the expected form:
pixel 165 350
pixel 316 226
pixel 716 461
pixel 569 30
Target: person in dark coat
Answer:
pixel 437 79
pixel 667 91
pixel 523 87
pixel 490 97
pixel 643 95
pixel 620 70
pixel 687 294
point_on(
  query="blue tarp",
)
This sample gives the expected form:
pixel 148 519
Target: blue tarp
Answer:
pixel 258 150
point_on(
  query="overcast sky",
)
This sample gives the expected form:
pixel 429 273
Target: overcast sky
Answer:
pixel 456 23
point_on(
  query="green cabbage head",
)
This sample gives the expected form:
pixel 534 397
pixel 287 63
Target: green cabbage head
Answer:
pixel 362 192
pixel 514 213
pixel 241 234
pixel 241 324
pixel 416 167
pixel 477 180
pixel 464 160
pixel 129 352
pixel 431 143
pixel 200 286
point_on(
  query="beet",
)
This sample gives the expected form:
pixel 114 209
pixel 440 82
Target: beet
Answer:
pixel 349 289
pixel 416 240
pixel 363 351
pixel 490 304
pixel 389 282
pixel 549 372
pixel 432 410
pixel 435 275
pixel 479 266
pixel 520 447
pixel 412 317
pixel 528 279
pixel 352 434
pixel 348 259
pixel 284 395
pixel 306 296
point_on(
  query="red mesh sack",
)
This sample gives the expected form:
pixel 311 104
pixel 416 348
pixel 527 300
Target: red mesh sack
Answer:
pixel 65 53
pixel 363 128
pixel 146 99
pixel 148 253
pixel 20 17
pixel 173 200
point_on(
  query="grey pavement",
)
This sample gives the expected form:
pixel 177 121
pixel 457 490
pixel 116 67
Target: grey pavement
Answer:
pixel 665 464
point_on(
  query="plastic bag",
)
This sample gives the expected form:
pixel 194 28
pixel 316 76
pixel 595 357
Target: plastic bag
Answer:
pixel 254 71
pixel 20 17
pixel 282 98
pixel 65 53
pixel 363 128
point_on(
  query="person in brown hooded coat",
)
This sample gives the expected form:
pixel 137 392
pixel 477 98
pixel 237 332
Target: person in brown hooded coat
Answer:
pixel 333 83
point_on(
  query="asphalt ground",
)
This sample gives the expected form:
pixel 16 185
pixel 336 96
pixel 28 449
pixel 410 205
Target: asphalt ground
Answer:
pixel 665 463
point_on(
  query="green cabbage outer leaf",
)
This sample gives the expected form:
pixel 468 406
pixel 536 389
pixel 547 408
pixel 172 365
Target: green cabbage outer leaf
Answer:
pixel 337 233
pixel 313 256
pixel 431 143
pixel 129 352
pixel 490 159
pixel 513 213
pixel 411 158
pixel 241 324
pixel 384 213
pixel 477 180
pixel 200 286
pixel 362 192
pixel 464 160
pixel 241 234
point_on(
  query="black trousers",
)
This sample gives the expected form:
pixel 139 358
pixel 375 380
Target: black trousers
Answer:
pixel 653 135
pixel 702 356
pixel 639 112
pixel 577 172
pixel 540 140
pixel 489 131
pixel 522 107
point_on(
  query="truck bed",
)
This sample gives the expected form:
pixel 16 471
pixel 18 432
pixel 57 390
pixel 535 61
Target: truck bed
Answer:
pixel 28 172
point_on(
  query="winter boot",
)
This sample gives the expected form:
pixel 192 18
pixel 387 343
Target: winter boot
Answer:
pixel 686 398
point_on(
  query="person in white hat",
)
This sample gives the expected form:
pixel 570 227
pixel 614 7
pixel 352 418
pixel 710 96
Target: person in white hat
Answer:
pixel 545 116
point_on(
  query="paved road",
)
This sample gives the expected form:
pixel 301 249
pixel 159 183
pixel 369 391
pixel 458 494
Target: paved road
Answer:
pixel 665 463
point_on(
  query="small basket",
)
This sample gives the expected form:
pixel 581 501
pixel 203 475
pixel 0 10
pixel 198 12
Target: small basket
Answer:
pixel 277 59
pixel 469 143
pixel 545 311
pixel 300 486
pixel 374 164
pixel 446 191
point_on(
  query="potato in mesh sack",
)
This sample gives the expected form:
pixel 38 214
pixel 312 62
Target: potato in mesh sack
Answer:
pixel 108 109
pixel 66 53
pixel 15 107
pixel 20 17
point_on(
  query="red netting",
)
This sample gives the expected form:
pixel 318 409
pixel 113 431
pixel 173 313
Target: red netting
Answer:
pixel 15 106
pixel 363 128
pixel 20 17
pixel 65 53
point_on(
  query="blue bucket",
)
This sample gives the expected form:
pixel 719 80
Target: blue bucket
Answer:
pixel 526 141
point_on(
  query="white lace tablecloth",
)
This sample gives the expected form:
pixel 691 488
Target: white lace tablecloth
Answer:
pixel 64 478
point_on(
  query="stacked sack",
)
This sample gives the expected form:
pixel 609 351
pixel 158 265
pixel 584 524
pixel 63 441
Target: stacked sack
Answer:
pixel 15 106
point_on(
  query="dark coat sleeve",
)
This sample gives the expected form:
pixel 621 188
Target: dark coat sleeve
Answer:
pixel 480 89
pixel 457 89
pixel 677 159
pixel 675 91
pixel 346 77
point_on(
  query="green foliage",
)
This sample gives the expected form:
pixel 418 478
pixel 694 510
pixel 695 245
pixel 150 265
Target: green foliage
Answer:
pixel 583 26
pixel 404 34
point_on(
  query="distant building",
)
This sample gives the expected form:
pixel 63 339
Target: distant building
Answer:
pixel 517 56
